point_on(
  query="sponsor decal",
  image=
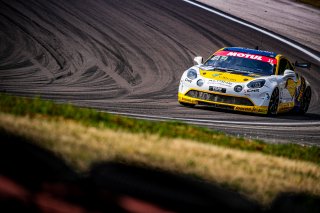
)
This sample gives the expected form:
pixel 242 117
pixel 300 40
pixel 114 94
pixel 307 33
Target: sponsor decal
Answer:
pixel 228 79
pixel 220 82
pixel 302 89
pixel 267 96
pixel 253 90
pixel 244 109
pixel 244 55
pixel 250 109
pixel 222 76
pixel 247 55
pixel 217 89
pixel 216 57
pixel 291 86
pixel 283 107
pixel 223 58
pixel 188 80
pixel 253 75
pixel 185 99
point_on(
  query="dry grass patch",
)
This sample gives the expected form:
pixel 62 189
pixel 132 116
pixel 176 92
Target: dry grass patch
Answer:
pixel 260 177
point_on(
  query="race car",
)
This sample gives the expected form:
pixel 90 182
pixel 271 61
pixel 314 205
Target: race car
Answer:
pixel 247 80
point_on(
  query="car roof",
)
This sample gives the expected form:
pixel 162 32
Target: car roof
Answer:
pixel 251 51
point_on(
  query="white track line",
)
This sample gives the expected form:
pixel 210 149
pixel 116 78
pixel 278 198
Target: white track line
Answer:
pixel 256 28
pixel 217 122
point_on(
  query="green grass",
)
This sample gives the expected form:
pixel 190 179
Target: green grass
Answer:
pixel 27 106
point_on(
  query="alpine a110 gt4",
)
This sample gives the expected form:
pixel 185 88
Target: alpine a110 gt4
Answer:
pixel 247 80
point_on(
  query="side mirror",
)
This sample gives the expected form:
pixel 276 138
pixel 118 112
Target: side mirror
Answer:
pixel 289 73
pixel 302 65
pixel 198 60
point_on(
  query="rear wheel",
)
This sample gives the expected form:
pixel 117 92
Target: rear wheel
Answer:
pixel 305 102
pixel 274 102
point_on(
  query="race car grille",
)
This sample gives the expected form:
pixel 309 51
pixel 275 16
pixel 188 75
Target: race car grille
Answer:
pixel 220 106
pixel 219 98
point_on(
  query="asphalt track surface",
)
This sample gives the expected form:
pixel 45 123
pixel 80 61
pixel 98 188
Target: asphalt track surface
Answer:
pixel 127 57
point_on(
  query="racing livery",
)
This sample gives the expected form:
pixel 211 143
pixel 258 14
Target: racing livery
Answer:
pixel 247 80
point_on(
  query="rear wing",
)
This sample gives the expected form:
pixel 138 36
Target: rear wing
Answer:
pixel 302 65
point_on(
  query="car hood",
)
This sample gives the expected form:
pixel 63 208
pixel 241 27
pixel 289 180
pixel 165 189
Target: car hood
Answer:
pixel 229 77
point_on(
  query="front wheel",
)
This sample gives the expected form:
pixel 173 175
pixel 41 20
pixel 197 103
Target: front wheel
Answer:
pixel 305 102
pixel 274 102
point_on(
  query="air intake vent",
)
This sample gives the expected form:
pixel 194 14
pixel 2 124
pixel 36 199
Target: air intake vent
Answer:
pixel 219 98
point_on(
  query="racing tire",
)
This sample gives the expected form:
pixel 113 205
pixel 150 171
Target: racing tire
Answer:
pixel 186 104
pixel 273 103
pixel 305 102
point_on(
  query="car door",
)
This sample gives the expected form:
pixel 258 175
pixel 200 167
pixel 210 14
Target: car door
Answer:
pixel 287 84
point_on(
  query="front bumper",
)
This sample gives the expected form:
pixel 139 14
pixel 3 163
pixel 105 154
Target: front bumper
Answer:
pixel 223 101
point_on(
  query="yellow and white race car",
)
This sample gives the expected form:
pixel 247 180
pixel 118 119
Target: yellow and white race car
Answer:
pixel 247 80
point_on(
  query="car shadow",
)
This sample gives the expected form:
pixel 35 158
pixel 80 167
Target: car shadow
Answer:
pixel 33 179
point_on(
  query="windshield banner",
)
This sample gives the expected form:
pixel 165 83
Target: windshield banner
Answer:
pixel 247 55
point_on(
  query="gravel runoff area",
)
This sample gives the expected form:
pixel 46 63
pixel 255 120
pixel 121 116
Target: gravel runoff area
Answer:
pixel 293 20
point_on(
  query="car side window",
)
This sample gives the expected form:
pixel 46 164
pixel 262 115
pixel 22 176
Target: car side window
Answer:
pixel 283 65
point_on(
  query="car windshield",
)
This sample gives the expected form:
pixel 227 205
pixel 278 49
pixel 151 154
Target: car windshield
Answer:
pixel 239 64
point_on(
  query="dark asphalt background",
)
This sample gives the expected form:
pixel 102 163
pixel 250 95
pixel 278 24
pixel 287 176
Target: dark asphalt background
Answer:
pixel 124 56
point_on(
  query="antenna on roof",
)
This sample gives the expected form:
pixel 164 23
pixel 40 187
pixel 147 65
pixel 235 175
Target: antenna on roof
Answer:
pixel 257 48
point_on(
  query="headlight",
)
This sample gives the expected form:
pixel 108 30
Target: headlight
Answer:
pixel 192 74
pixel 256 83
pixel 200 82
pixel 238 88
